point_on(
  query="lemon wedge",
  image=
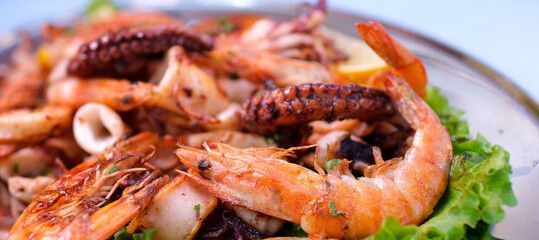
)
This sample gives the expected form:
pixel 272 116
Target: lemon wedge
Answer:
pixel 362 60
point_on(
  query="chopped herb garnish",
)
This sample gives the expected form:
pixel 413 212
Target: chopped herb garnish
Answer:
pixel 233 76
pixel 251 124
pixel 114 169
pixel 291 229
pixel 216 59
pixel 410 95
pixel 266 140
pixel 259 92
pixel 331 163
pixel 146 235
pixel 333 210
pixel 16 168
pixel 197 209
pixel 122 234
pixel 68 31
pixel 43 173
pixel 225 25
pixel 96 6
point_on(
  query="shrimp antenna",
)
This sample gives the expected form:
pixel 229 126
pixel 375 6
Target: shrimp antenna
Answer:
pixel 315 163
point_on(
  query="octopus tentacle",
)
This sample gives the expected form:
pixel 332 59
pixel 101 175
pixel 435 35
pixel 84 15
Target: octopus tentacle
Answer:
pixel 130 42
pixel 299 104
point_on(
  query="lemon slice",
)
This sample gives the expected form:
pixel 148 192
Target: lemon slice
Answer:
pixel 362 60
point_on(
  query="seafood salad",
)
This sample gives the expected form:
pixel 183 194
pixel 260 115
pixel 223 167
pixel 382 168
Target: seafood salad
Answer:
pixel 143 125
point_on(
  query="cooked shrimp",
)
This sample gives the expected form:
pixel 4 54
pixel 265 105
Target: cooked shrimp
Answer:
pixel 265 30
pixel 23 85
pixel 282 70
pixel 33 125
pixel 70 207
pixel 336 204
pixel 92 29
pixel 296 38
pixel 120 95
pixel 403 62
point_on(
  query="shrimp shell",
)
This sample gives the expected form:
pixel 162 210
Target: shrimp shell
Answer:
pixel 282 70
pixel 69 208
pixel 33 125
pixel 120 95
pixel 336 204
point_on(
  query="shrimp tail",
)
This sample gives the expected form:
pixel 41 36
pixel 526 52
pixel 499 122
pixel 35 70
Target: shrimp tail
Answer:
pixel 402 61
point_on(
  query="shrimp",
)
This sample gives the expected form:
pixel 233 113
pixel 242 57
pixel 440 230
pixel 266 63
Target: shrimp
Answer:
pixel 179 208
pixel 70 207
pixel 336 204
pixel 33 125
pixel 265 30
pixel 120 95
pixel 401 60
pixel 92 29
pixel 23 85
pixel 282 70
pixel 296 38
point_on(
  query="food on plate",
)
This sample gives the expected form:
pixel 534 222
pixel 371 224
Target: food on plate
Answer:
pixel 136 125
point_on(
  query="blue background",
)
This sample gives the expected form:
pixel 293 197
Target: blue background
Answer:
pixel 502 34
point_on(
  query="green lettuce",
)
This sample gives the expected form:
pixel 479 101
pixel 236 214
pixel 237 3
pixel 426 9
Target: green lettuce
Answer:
pixel 478 188
pixel 122 234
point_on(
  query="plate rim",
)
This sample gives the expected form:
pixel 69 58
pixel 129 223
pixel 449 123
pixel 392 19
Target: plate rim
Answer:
pixel 504 83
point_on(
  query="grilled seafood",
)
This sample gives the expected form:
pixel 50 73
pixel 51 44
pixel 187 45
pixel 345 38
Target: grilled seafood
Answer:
pixel 124 43
pixel 301 104
pixel 336 204
pixel 120 95
pixel 281 70
pixel 298 38
pixel 132 73
pixel 23 85
pixel 69 208
pixel 33 125
pixel 403 62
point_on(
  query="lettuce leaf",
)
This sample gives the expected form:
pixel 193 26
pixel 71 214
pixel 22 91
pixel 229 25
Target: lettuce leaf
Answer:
pixel 478 188
pixel 122 234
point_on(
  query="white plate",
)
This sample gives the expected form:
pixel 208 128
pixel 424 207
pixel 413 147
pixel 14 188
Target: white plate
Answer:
pixel 494 106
